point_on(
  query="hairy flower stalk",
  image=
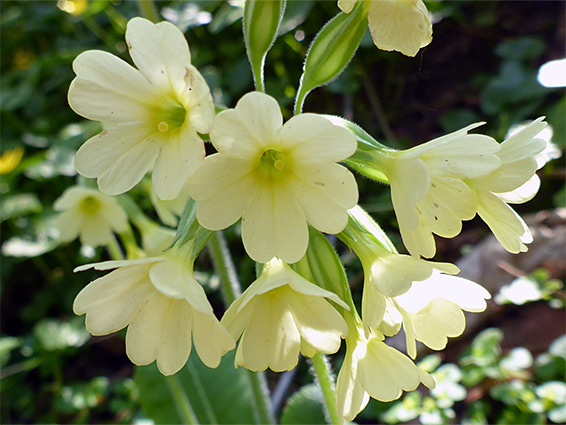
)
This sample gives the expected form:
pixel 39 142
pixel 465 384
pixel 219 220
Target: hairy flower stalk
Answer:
pixel 153 114
pixel 275 177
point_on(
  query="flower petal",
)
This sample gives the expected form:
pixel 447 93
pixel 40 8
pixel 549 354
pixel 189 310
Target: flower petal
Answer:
pixel 199 101
pixel 403 26
pixel 384 372
pixel 223 187
pixel 248 129
pixel 95 231
pixel 113 301
pixel 69 224
pixel 410 182
pixel 509 229
pixel 211 340
pixel 160 51
pixel 107 89
pixel 325 194
pixel 420 240
pixel 173 279
pixel 522 194
pixel 316 140
pixel 119 157
pixel 509 176
pixel 351 397
pixel 181 155
pixel 274 225
pixel 271 338
pixel 318 322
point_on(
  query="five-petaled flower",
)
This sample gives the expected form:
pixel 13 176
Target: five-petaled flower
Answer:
pixel 154 113
pixel 276 177
pixel 163 306
pixel 373 369
pixel 89 214
pixel 401 25
pixel 280 314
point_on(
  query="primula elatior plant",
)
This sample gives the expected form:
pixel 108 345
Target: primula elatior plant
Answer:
pixel 282 183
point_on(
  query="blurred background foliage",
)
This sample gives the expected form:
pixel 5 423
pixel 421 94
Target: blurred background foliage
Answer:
pixel 481 66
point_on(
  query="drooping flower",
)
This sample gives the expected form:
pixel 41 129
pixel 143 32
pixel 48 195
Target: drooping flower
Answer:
pixel 154 113
pixel 281 314
pixel 401 25
pixel 276 177
pixel 163 306
pixel 373 369
pixel 428 185
pixel 90 215
pixel 514 182
pixel 430 311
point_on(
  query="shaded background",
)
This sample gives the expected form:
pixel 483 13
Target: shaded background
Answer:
pixel 481 66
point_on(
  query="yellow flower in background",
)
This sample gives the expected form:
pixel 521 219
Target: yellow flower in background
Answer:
pixel 154 113
pixel 428 185
pixel 90 215
pixel 281 314
pixel 276 177
pixel 163 306
pixel 400 25
pixel 514 182
pixel 170 210
pixel 373 369
pixel 10 159
pixel 430 311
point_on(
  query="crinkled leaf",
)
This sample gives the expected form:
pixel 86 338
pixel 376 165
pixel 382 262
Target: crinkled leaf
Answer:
pixel 306 406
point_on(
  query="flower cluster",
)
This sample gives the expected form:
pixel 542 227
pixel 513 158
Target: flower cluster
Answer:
pixel 283 183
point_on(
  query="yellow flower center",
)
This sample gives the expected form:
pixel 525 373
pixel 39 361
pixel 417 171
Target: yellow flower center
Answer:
pixel 272 164
pixel 170 117
pixel 90 205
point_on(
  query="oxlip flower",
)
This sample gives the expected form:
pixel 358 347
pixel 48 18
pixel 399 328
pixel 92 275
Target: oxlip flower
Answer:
pixel 428 185
pixel 401 25
pixel 276 177
pixel 90 215
pixel 373 369
pixel 162 305
pixel 153 114
pixel 281 314
pixel 430 311
pixel 514 182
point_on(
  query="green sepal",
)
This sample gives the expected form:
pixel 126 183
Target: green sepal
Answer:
pixel 189 230
pixel 362 231
pixel 322 266
pixel 330 52
pixel 363 160
pixel 261 22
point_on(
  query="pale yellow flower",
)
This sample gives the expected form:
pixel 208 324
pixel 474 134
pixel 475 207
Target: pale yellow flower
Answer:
pixel 90 215
pixel 281 314
pixel 514 182
pixel 430 311
pixel 276 177
pixel 401 25
pixel 373 369
pixel 428 185
pixel 154 112
pixel 170 210
pixel 163 306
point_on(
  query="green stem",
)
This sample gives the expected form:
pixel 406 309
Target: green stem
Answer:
pixel 148 10
pixel 231 290
pixel 326 382
pixel 181 401
pixel 114 249
pixel 258 77
pixel 224 267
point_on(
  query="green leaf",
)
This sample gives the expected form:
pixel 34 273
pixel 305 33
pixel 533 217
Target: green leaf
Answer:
pixel 306 406
pixel 55 335
pixel 7 345
pixel 261 23
pixel 220 395
pixel 331 50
